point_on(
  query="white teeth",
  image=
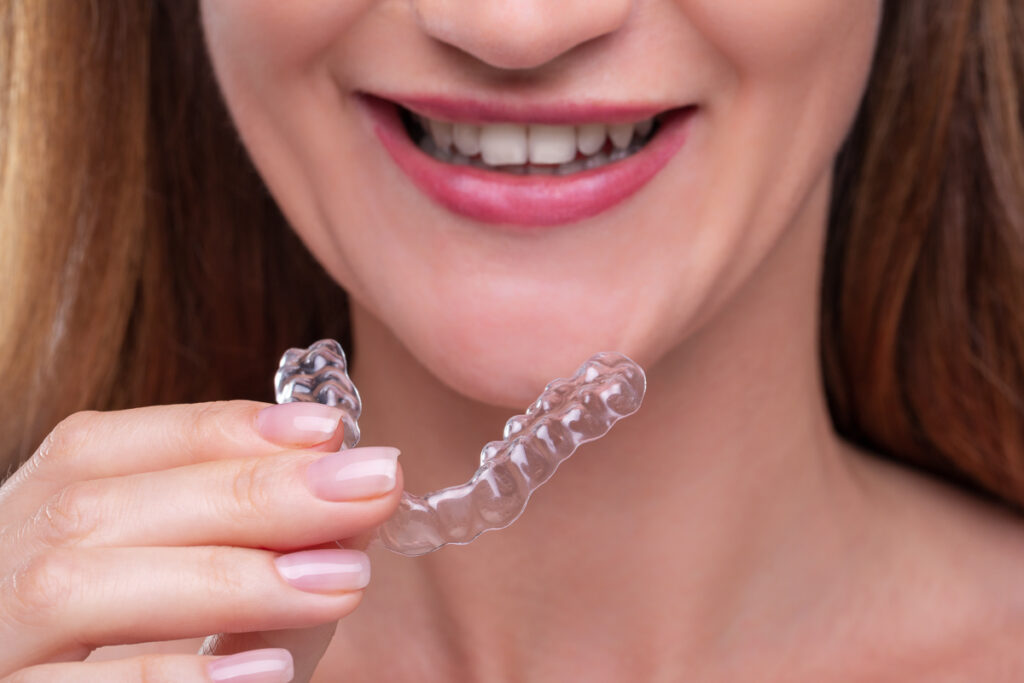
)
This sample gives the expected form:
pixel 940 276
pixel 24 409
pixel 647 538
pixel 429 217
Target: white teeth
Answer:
pixel 590 137
pixel 551 144
pixel 621 134
pixel 503 143
pixel 514 145
pixel 467 138
pixel 441 131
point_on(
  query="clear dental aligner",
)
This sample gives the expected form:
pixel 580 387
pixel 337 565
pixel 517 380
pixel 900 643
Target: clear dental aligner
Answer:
pixel 569 412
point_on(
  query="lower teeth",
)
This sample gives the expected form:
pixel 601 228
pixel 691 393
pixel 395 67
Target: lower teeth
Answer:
pixel 601 158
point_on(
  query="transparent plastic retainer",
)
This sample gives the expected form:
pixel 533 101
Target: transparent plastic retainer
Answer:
pixel 569 412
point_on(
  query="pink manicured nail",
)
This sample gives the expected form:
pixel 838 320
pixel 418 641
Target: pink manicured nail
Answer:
pixel 272 665
pixel 298 424
pixel 324 571
pixel 353 473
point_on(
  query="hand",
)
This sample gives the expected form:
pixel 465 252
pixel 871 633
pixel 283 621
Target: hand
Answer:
pixel 170 522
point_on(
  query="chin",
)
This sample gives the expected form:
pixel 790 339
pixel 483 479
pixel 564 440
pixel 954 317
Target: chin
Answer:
pixel 507 362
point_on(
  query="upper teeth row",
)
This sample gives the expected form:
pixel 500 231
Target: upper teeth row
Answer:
pixel 538 143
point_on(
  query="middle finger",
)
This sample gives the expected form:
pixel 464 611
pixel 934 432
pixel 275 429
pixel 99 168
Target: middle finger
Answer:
pixel 280 502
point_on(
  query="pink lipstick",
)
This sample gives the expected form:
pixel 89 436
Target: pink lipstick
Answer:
pixel 500 197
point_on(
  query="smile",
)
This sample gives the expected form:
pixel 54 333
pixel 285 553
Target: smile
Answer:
pixel 526 168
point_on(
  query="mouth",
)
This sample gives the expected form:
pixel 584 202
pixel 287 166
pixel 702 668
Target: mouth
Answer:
pixel 526 167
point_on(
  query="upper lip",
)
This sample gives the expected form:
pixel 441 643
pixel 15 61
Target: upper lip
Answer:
pixel 474 110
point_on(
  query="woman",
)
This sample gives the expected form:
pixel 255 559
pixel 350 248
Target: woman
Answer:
pixel 756 520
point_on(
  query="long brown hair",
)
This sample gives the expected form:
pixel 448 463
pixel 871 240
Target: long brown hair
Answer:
pixel 144 262
pixel 922 335
pixel 143 259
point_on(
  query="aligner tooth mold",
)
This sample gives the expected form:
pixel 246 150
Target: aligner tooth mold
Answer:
pixel 569 412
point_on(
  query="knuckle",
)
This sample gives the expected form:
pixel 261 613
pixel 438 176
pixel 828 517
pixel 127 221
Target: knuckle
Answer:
pixel 41 587
pixel 71 515
pixel 64 441
pixel 205 418
pixel 212 422
pixel 222 574
pixel 154 669
pixel 252 489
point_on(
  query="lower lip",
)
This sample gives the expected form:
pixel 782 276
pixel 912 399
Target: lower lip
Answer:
pixel 537 200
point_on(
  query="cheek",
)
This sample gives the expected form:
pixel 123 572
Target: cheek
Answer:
pixel 271 60
pixel 798 68
pixel 806 61
pixel 272 37
pixel 785 37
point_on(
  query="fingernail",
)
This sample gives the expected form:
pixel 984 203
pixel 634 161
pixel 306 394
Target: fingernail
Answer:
pixel 299 423
pixel 272 665
pixel 324 571
pixel 353 473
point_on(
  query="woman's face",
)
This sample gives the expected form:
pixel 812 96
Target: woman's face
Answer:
pixel 498 282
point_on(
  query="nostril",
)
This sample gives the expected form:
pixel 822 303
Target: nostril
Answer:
pixel 524 34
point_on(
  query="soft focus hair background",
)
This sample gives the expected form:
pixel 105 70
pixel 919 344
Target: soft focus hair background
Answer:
pixel 144 262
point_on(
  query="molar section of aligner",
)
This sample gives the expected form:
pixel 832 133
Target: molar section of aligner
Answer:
pixel 535 461
pixel 625 395
pixel 588 419
pixel 609 393
pixel 555 395
pixel 552 399
pixel 546 446
pixel 623 382
pixel 622 397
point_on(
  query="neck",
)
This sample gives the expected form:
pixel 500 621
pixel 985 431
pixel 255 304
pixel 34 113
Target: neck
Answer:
pixel 724 503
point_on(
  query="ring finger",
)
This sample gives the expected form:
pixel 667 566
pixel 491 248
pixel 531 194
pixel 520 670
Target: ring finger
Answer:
pixel 64 603
pixel 271 665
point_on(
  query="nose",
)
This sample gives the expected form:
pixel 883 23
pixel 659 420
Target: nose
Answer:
pixel 519 34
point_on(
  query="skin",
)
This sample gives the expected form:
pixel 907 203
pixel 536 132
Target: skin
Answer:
pixel 724 532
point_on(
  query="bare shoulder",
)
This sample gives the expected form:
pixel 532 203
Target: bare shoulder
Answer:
pixel 960 559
